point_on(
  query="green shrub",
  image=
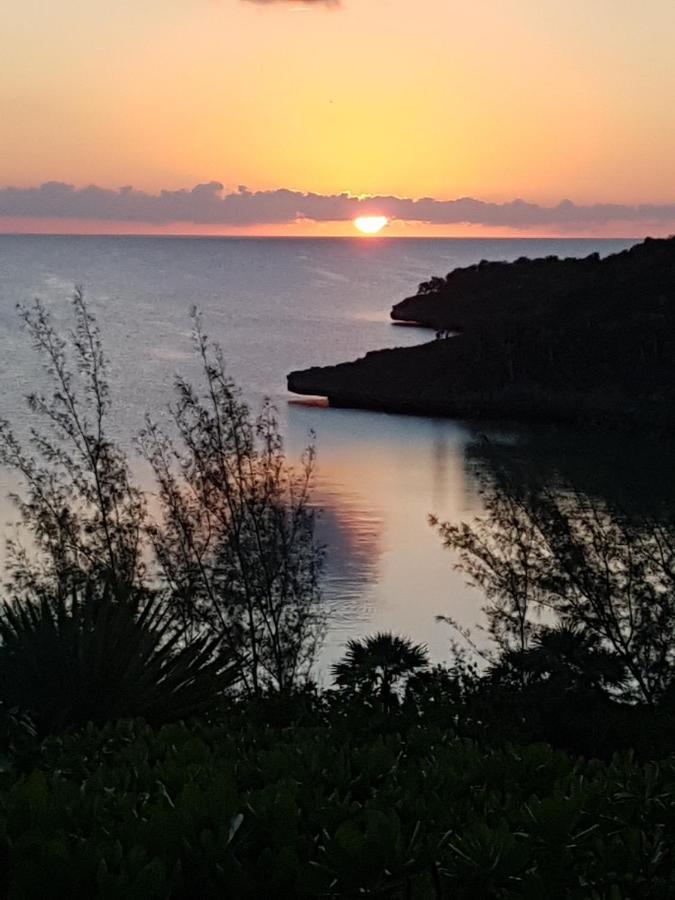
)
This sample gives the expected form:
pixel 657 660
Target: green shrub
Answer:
pixel 242 810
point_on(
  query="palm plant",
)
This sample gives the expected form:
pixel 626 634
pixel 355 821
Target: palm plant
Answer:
pixel 379 664
pixel 564 657
pixel 94 656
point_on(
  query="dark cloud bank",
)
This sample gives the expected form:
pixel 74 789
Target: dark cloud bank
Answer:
pixel 211 204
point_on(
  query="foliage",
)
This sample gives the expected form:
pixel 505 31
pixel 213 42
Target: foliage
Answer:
pixel 87 634
pixel 405 782
pixel 609 579
pixel 84 515
pixel 236 543
pixel 396 810
pixel 83 637
pixel 377 665
pixel 17 735
pixel 95 656
pixel 565 658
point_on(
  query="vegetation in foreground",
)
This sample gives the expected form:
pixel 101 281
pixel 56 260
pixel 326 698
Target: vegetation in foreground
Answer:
pixel 219 588
pixel 370 804
pixel 160 731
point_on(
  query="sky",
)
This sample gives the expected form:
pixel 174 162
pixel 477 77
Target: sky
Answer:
pixel 478 117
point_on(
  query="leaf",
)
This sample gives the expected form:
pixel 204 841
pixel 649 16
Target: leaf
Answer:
pixel 36 791
pixel 349 837
pixel 235 825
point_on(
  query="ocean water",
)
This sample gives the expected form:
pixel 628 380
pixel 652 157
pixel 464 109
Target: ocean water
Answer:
pixel 275 305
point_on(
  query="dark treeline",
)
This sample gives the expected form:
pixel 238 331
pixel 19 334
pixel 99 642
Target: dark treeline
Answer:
pixel 565 339
pixel 624 287
pixel 160 729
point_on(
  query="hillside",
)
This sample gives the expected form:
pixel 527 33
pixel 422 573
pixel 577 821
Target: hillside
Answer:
pixel 567 340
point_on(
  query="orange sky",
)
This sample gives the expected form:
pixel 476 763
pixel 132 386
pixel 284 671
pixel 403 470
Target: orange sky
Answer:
pixel 493 99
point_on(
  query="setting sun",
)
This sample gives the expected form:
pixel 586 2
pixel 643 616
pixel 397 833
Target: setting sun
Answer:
pixel 370 224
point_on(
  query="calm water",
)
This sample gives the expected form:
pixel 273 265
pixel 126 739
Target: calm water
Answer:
pixel 276 305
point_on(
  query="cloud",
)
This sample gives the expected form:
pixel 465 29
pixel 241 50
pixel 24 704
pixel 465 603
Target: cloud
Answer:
pixel 211 204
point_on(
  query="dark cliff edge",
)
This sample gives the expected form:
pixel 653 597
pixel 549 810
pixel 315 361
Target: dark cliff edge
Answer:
pixel 555 339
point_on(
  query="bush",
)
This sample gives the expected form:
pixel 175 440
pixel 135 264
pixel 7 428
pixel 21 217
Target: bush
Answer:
pixel 235 543
pixel 94 631
pixel 240 810
pixel 84 516
pixel 93 656
pixel 543 554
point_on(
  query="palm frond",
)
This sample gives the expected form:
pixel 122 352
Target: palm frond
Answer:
pixel 91 657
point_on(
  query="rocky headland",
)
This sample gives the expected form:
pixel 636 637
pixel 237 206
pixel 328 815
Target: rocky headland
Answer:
pixel 552 339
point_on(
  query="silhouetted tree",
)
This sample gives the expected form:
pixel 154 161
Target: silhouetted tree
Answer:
pixel 379 664
pixel 236 541
pixel 564 658
pixel 569 557
pixel 83 636
pixel 84 515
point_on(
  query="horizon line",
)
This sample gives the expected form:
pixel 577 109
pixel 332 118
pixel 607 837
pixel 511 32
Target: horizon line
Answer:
pixel 333 237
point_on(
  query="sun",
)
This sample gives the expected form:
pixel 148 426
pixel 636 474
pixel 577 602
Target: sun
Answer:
pixel 370 224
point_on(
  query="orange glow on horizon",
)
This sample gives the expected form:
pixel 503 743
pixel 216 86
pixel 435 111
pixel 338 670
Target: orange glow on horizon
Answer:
pixel 308 229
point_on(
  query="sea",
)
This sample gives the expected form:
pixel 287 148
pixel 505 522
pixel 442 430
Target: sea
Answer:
pixel 275 305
